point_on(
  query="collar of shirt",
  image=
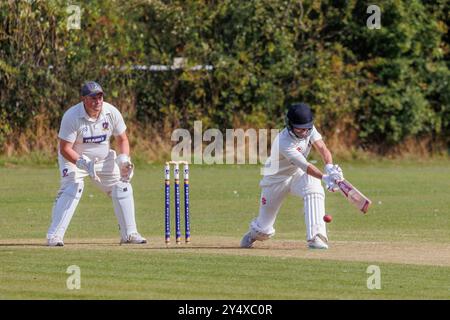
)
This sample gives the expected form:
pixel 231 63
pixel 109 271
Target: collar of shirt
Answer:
pixel 83 114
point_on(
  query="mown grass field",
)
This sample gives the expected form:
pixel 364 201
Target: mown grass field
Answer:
pixel 406 233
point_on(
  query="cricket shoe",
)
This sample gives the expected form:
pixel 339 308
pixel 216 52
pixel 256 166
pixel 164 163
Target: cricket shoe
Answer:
pixel 134 238
pixel 55 241
pixel 247 240
pixel 318 242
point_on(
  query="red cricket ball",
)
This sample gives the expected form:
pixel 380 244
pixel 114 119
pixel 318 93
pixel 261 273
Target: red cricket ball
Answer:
pixel 327 218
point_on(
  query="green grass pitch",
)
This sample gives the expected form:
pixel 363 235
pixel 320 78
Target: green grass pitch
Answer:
pixel 405 233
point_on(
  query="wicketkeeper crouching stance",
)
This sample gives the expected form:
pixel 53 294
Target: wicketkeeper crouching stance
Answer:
pixel 84 150
pixel 288 172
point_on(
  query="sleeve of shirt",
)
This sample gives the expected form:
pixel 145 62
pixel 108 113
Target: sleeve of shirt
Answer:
pixel 315 135
pixel 119 123
pixel 295 157
pixel 68 130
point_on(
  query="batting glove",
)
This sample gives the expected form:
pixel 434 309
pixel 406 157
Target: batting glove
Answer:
pixel 125 166
pixel 335 171
pixel 330 182
pixel 84 163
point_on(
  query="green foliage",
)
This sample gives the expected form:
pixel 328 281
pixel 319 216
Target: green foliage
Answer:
pixel 382 86
pixel 398 102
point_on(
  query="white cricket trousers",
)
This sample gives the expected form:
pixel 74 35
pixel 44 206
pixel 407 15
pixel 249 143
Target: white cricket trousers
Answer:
pixel 300 185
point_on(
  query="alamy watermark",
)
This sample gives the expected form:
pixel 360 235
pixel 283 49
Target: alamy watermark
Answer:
pixel 374 20
pixel 374 281
pixel 235 146
pixel 73 282
pixel 74 18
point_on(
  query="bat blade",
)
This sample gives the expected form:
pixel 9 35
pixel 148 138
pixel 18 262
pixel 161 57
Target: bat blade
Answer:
pixel 354 196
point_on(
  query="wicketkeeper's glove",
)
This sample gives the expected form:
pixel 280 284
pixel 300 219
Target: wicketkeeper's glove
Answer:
pixel 84 163
pixel 125 166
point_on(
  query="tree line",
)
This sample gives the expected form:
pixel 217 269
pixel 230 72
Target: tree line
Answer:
pixel 371 89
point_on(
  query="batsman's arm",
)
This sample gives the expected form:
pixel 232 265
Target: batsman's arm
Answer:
pixel 312 170
pixel 329 180
pixel 297 159
pixel 66 150
pixel 325 153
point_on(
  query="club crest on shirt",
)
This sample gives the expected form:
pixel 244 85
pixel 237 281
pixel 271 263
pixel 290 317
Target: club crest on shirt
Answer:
pixel 64 172
pixel 105 125
pixel 299 149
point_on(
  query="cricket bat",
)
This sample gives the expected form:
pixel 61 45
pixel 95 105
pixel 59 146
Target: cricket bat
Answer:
pixel 354 196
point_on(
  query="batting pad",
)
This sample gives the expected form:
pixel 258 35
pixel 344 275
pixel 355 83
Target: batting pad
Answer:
pixel 314 211
pixel 65 204
pixel 123 201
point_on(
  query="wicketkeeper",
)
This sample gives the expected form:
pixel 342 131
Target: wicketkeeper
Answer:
pixel 84 151
pixel 293 174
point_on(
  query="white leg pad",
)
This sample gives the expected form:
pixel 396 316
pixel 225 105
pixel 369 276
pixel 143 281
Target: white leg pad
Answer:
pixel 314 212
pixel 65 204
pixel 123 201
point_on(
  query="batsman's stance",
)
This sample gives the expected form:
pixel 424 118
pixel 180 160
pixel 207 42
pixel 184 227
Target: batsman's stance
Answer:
pixel 84 150
pixel 295 175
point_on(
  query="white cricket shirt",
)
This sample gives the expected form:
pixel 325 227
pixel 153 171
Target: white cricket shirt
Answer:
pixel 91 136
pixel 288 156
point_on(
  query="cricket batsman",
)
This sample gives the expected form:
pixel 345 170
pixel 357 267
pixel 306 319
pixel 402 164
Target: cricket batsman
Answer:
pixel 84 151
pixel 295 175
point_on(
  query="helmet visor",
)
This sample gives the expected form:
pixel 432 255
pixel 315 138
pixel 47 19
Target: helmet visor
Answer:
pixel 308 125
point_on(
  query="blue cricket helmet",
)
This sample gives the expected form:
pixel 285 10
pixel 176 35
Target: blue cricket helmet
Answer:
pixel 299 115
